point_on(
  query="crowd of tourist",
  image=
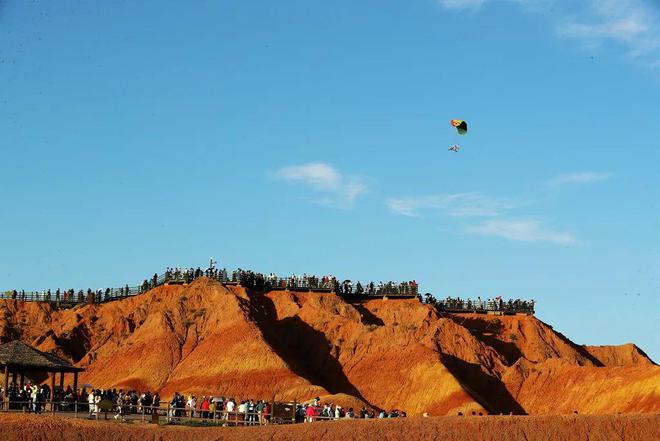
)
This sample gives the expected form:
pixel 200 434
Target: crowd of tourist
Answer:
pixel 246 278
pixel 30 398
pixel 73 296
pixel 317 411
pixel 247 412
pixel 260 282
pixel 455 304
pixel 122 404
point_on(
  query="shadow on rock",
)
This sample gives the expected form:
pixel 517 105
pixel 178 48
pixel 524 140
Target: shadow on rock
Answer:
pixel 305 350
pixel 487 331
pixel 368 317
pixel 489 391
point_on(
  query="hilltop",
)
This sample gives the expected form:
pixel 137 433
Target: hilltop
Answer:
pixel 398 353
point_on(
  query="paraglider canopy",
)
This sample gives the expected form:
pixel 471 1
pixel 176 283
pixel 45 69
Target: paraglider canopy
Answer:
pixel 461 126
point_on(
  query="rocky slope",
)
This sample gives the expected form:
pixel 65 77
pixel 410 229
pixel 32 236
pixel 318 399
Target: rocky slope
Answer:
pixel 206 338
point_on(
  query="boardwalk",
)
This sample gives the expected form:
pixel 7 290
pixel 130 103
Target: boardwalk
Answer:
pixel 353 292
pixel 247 279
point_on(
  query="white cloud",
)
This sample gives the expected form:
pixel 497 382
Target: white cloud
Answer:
pixel 476 4
pixel 461 4
pixel 579 178
pixel 526 230
pixel 456 205
pixel 491 211
pixel 337 189
pixel 633 23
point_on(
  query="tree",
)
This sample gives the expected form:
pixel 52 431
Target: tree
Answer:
pixel 429 299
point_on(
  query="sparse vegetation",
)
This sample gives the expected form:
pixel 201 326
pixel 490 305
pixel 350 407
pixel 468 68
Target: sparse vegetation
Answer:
pixel 429 299
pixel 195 423
pixel 187 323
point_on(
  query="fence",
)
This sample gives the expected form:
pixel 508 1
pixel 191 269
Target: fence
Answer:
pixel 486 306
pixel 68 297
pixel 243 278
pixel 156 414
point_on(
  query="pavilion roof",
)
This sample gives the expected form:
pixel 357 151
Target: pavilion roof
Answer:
pixel 18 354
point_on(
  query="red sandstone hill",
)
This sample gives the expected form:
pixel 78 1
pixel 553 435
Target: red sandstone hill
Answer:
pixel 206 338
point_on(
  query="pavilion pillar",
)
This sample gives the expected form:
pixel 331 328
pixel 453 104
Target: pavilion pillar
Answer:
pixel 62 380
pixel 6 380
pixel 75 385
pixel 22 379
pixel 52 390
pixel 14 377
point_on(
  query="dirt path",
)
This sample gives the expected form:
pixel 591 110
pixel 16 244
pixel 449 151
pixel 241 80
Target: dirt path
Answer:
pixel 494 428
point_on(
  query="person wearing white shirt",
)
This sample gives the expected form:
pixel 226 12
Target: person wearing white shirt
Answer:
pixel 97 400
pixel 90 401
pixel 230 408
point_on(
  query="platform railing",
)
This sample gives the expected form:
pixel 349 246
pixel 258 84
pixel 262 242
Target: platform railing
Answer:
pixel 490 306
pixel 130 412
pixel 313 283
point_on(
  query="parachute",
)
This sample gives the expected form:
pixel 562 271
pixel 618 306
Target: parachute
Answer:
pixel 461 126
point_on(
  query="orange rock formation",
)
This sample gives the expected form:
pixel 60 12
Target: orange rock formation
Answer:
pixel 206 338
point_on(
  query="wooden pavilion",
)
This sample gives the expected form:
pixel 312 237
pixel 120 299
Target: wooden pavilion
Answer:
pixel 18 358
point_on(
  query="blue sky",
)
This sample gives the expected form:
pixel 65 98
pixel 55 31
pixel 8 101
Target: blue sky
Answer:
pixel 305 136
